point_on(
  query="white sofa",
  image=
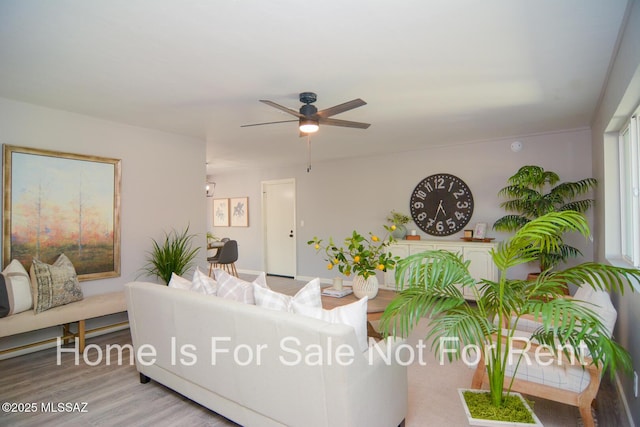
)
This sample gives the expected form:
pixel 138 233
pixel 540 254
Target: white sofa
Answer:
pixel 185 337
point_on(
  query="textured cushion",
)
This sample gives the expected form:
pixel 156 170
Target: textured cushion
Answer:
pixel 204 283
pixel 309 295
pixel 231 287
pixel 354 314
pixel 566 377
pixel 54 285
pixel 201 283
pixel 15 290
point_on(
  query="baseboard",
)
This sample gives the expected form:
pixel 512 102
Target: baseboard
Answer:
pixel 254 272
pixel 623 398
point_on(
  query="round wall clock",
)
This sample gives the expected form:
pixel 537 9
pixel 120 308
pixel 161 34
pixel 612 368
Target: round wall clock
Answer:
pixel 441 204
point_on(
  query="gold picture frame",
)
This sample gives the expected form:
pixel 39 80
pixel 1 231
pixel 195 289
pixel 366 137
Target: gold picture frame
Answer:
pixel 57 202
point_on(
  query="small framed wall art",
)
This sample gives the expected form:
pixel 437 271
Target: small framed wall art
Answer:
pixel 239 211
pixel 220 212
pixel 480 231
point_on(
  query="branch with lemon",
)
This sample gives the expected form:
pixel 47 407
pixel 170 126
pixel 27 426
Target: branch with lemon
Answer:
pixel 361 255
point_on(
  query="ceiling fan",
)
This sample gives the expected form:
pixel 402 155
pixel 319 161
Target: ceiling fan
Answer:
pixel 309 118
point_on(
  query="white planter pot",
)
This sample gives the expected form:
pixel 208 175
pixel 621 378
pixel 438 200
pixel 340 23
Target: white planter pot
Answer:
pixel 365 287
pixel 490 423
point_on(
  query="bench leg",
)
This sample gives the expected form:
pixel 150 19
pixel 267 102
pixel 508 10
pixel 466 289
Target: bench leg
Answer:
pixel 80 337
pixel 66 333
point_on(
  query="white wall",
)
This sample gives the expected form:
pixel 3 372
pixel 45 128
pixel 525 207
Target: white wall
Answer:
pixel 163 177
pixel 621 97
pixel 340 196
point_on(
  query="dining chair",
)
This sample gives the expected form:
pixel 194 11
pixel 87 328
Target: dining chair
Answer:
pixel 225 259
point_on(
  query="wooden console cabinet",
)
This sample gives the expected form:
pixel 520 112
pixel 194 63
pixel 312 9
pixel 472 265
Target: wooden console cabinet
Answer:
pixel 481 266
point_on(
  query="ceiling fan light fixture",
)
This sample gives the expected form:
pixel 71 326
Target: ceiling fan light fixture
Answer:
pixel 308 125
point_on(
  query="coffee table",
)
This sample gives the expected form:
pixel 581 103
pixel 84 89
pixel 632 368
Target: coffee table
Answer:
pixel 375 307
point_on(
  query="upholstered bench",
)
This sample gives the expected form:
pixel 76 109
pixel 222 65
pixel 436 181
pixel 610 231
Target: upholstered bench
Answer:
pixel 64 315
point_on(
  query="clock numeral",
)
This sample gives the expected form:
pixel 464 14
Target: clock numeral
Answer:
pixel 418 205
pixel 458 193
pixel 451 223
pixel 450 186
pixel 421 194
pixel 440 226
pixel 428 187
pixel 430 222
pixel 439 182
pixel 462 205
pixel 422 216
pixel 459 215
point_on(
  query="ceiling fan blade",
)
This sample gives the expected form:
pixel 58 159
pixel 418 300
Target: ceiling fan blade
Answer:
pixel 344 123
pixel 332 111
pixel 281 108
pixel 268 123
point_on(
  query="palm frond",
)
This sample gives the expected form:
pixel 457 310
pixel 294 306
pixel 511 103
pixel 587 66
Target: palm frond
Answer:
pixel 409 306
pixel 510 223
pixel 457 328
pixel 570 190
pixel 533 175
pixel 599 276
pixel 577 205
pixel 433 270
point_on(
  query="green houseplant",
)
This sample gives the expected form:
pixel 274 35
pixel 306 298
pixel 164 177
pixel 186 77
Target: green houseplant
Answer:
pixel 174 254
pixel 360 255
pixel 533 192
pixel 429 284
pixel 399 220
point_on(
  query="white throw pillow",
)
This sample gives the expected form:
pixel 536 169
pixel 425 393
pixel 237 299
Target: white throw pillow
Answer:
pixel 600 302
pixel 17 288
pixel 309 295
pixel 179 282
pixel 201 283
pixel 231 287
pixel 354 314
pixel 204 283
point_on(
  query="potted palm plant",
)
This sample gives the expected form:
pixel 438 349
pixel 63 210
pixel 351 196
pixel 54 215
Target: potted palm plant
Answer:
pixel 533 192
pixel 429 287
pixel 174 254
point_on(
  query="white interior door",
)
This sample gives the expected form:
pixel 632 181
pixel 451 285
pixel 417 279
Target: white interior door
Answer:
pixel 278 204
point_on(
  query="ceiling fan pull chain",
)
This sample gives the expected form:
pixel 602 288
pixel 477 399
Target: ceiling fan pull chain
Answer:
pixel 308 153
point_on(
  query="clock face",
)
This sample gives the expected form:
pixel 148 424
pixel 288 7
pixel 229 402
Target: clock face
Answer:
pixel 441 204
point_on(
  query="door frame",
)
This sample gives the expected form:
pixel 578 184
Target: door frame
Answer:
pixel 263 185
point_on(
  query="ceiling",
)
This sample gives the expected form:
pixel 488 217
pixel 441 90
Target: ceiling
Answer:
pixel 433 72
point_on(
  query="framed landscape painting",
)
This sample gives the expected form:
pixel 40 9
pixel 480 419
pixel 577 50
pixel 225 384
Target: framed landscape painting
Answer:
pixel 239 212
pixel 58 203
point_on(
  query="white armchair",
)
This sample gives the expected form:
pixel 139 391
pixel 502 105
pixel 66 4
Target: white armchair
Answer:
pixel 563 382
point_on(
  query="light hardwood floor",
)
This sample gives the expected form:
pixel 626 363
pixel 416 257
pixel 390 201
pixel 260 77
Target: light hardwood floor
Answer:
pixel 115 396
